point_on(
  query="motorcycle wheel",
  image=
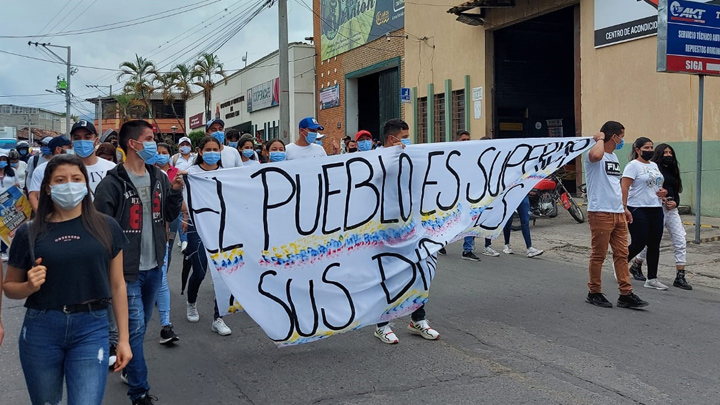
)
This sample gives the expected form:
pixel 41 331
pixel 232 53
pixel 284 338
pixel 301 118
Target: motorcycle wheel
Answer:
pixel 575 211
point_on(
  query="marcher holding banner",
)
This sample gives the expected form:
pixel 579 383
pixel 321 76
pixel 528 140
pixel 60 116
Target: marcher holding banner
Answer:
pixel 305 146
pixel 607 217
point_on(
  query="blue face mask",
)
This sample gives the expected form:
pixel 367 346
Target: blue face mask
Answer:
pixel 620 145
pixel 277 156
pixel 149 152
pixel 311 137
pixel 16 164
pixel 45 151
pixel 405 141
pixel 3 164
pixel 84 148
pixel 23 152
pixel 162 160
pixel 319 142
pixel 211 158
pixel 220 136
pixel 248 153
pixel 232 144
pixel 364 146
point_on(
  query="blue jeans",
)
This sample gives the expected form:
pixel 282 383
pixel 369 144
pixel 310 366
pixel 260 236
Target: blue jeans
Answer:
pixel 54 345
pixel 468 244
pixel 175 228
pixel 141 295
pixel 163 300
pixel 196 251
pixel 523 211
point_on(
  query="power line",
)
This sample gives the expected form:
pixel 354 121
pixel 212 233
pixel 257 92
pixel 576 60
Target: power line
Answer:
pixel 26 95
pixel 67 3
pixel 121 24
pixel 77 17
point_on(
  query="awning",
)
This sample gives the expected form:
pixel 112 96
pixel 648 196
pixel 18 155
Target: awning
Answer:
pixel 479 17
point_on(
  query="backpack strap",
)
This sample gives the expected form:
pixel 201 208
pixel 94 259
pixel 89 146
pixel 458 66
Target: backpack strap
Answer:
pixel 175 159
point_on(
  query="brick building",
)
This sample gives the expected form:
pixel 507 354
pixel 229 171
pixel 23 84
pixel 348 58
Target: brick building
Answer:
pixel 360 47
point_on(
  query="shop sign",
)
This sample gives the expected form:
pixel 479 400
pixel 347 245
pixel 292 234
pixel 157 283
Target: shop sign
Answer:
pixel 405 95
pixel 618 21
pixel 330 97
pixel 263 95
pixel 688 38
pixel 348 24
pixel 196 121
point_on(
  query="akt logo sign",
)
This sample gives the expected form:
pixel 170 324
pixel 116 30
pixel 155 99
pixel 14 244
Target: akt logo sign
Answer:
pixel 688 13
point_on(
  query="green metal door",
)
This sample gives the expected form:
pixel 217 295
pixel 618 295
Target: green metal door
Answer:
pixel 389 102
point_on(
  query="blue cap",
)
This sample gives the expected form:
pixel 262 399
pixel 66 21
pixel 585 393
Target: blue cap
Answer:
pixel 58 141
pixel 212 121
pixel 310 123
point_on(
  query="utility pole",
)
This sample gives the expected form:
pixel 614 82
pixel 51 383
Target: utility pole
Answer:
pixel 284 72
pixel 70 72
pixel 100 103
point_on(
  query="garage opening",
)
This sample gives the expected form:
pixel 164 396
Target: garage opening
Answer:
pixel 534 94
pixel 375 98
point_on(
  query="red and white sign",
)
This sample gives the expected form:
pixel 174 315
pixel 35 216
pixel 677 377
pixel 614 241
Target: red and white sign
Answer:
pixel 196 121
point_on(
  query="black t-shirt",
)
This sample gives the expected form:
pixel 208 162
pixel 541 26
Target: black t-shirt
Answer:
pixel 670 183
pixel 78 265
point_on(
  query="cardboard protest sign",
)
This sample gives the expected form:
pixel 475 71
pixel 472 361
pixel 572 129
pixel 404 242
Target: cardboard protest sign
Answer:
pixel 15 209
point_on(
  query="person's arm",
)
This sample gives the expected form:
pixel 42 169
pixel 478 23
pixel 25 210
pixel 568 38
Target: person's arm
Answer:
pixel 174 194
pixel 597 152
pixel 105 199
pixel 625 186
pixel 34 198
pixel 2 331
pixel 120 309
pixel 20 284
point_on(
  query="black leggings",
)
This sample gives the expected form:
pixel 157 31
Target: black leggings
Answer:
pixel 646 229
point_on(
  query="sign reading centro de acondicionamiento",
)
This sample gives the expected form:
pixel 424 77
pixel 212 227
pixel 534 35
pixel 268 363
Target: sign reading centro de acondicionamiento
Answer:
pixel 688 38
pixel 348 24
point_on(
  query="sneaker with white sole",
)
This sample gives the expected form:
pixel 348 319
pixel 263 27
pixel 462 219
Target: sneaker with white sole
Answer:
pixel 532 252
pixel 508 250
pixel 423 329
pixel 112 357
pixel 489 251
pixel 219 326
pixel 124 378
pixel 386 335
pixel 192 313
pixel 654 283
pixel 183 246
pixel 470 256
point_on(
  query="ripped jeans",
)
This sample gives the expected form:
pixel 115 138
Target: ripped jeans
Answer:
pixel 54 346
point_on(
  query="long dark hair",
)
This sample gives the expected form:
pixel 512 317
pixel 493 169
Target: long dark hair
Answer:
pixel 201 146
pixel 93 221
pixel 637 145
pixel 242 143
pixel 674 168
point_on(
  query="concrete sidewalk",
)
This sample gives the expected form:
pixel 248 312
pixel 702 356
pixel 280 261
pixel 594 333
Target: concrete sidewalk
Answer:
pixel 563 239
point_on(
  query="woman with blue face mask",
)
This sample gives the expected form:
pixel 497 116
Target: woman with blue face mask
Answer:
pixel 67 264
pixel 276 150
pixel 208 159
pixel 246 146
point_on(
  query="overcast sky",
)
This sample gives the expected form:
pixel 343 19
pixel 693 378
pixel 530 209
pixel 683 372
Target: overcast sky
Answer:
pixel 156 40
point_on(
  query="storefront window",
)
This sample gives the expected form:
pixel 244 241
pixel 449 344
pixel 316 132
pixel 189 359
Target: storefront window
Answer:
pixel 458 113
pixel 439 118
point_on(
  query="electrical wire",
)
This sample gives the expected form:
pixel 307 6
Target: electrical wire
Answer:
pixel 75 18
pixel 67 3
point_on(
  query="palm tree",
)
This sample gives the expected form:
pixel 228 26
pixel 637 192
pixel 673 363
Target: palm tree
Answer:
pixel 140 75
pixel 205 69
pixel 124 104
pixel 184 77
pixel 166 84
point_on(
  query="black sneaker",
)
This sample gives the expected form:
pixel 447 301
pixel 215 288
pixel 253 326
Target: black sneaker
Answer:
pixel 146 399
pixel 631 301
pixel 167 335
pixel 598 299
pixel 470 256
pixel 680 282
pixel 636 271
pixel 442 251
pixel 112 357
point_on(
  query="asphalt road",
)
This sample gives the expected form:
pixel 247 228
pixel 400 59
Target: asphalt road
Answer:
pixel 513 331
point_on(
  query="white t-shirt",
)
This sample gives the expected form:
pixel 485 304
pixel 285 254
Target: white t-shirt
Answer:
pixel 182 163
pixel 20 173
pixel 295 151
pixel 603 184
pixel 6 182
pixel 647 180
pixel 96 173
pixel 230 157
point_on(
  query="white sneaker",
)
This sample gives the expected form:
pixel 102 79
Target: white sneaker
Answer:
pixel 192 313
pixel 219 326
pixel 508 250
pixel 654 283
pixel 489 251
pixel 532 252
pixel 423 329
pixel 183 246
pixel 4 257
pixel 179 243
pixel 386 335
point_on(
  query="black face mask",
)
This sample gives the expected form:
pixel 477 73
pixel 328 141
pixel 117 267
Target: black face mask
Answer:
pixel 352 149
pixel 647 154
pixel 668 160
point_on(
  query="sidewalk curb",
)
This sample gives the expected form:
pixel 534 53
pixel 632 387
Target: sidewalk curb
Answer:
pixel 702 226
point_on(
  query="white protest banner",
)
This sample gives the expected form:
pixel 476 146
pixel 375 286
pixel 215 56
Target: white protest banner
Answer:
pixel 315 247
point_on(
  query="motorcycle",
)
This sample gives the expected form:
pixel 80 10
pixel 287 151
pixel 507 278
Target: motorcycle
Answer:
pixel 546 194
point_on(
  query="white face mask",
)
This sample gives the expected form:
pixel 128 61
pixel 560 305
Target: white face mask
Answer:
pixel 68 195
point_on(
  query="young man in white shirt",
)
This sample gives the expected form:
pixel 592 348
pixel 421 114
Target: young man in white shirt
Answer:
pixel 607 217
pixel 229 157
pixel 85 141
pixel 305 146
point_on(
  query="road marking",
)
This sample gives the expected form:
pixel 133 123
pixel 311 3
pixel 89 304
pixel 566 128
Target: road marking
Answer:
pixel 702 226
